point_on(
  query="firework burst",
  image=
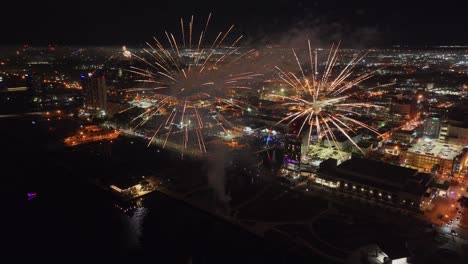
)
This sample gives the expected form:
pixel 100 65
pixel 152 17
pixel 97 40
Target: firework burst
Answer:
pixel 189 83
pixel 320 99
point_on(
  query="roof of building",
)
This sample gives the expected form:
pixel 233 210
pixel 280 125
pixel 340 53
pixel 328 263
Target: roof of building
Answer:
pixel 377 169
pixel 340 137
pixel 406 132
pixel 317 154
pixel 125 182
pixel 436 149
pixel 365 144
pixel 382 175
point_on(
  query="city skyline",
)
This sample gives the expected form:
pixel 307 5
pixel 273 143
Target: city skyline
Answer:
pixel 244 133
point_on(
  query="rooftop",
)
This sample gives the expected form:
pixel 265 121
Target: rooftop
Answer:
pixel 436 149
pixel 340 137
pixel 404 131
pixel 364 144
pixel 377 169
pixel 317 154
pixel 381 175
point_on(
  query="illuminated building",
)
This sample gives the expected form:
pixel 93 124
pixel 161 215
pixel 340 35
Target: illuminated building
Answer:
pixel 443 133
pixel 89 134
pixel 429 155
pixel 376 181
pixel 404 136
pixel 460 162
pixel 432 127
pixel 317 154
pixel 133 187
pixel 293 153
pixel 394 252
pixel 95 91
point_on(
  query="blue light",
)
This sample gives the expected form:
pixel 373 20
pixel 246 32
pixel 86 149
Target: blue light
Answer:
pixel 31 196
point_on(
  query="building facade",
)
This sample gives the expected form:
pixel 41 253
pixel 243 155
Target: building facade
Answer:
pixel 457 134
pixel 432 127
pixel 404 136
pixel 293 153
pixel 428 156
pixel 95 92
pixel 377 182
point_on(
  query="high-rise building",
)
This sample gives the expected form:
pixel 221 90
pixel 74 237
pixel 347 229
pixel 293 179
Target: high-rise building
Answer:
pixel 293 149
pixel 432 126
pixel 95 92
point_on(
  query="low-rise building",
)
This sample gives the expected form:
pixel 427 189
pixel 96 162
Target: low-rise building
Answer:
pixel 457 134
pixel 404 136
pixel 317 154
pixel 376 181
pixel 429 155
pixel 343 142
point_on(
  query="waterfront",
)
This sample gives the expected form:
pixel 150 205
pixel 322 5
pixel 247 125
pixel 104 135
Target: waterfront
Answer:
pixel 71 217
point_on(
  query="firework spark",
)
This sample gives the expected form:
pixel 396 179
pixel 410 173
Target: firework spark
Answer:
pixel 320 94
pixel 190 83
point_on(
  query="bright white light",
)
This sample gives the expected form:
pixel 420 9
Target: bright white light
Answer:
pixel 126 53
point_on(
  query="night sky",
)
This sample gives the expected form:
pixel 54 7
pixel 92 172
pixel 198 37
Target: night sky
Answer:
pixel 355 23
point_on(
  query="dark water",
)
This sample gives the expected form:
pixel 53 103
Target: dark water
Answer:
pixel 73 220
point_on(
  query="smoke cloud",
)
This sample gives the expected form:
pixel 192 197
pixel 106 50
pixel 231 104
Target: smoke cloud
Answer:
pixel 216 175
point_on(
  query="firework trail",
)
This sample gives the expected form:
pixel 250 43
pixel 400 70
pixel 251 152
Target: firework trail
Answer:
pixel 190 83
pixel 319 95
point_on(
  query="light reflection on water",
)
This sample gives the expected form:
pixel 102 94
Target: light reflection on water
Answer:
pixel 135 214
pixel 136 223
